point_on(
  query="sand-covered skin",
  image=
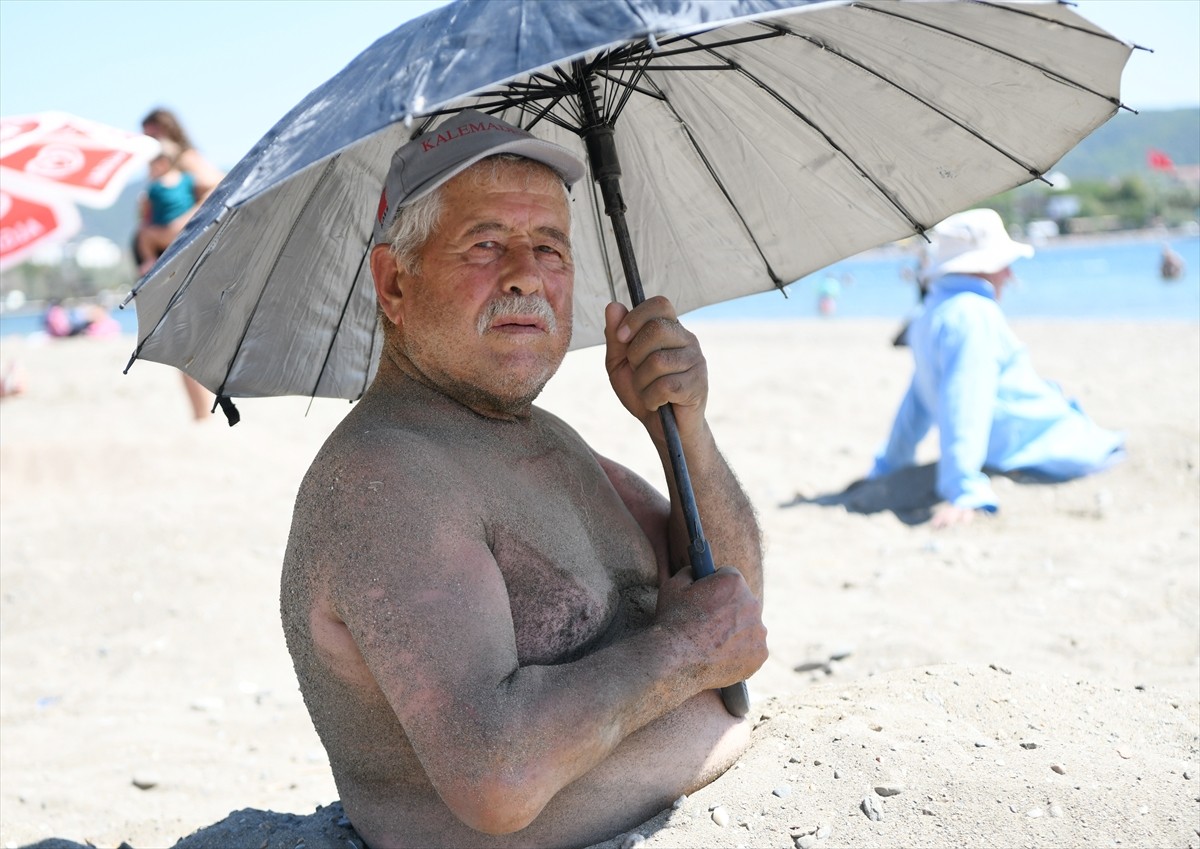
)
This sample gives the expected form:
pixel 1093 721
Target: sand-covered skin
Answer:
pixel 140 639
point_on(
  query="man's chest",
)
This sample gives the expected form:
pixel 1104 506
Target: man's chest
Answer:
pixel 570 553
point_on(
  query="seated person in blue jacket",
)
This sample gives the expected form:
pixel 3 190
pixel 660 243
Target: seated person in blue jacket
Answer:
pixel 974 381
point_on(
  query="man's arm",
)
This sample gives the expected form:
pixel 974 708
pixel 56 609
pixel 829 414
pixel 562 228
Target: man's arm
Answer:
pixel 909 428
pixel 653 360
pixel 417 585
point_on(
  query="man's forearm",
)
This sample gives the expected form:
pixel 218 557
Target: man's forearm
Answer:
pixel 548 726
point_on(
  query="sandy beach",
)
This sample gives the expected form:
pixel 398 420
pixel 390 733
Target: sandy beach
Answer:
pixel 1029 680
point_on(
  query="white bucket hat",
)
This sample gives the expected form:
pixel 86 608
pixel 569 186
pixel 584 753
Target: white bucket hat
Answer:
pixel 429 160
pixel 973 242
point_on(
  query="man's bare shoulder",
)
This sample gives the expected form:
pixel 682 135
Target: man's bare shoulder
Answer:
pixel 382 484
pixel 364 445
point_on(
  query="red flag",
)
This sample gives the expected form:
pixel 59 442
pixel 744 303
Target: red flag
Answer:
pixel 1159 161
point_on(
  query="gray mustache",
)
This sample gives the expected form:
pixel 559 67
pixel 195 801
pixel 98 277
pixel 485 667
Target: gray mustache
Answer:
pixel 512 305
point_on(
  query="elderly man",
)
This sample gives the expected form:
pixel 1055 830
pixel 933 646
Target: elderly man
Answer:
pixel 492 625
pixel 973 379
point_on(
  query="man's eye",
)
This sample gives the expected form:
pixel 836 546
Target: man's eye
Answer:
pixel 488 245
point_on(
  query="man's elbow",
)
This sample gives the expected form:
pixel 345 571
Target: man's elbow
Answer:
pixel 499 805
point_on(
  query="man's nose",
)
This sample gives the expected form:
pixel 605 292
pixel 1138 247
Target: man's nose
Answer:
pixel 521 274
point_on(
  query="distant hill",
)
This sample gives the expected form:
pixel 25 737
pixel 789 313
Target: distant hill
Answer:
pixel 1117 148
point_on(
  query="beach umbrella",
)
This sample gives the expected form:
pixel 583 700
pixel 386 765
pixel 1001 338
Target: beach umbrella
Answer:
pixel 758 140
pixel 735 145
pixel 28 224
pixel 50 161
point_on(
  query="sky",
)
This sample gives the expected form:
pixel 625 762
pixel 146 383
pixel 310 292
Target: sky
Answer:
pixel 231 68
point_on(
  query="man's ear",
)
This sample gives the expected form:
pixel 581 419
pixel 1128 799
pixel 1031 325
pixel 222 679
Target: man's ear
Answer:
pixel 387 274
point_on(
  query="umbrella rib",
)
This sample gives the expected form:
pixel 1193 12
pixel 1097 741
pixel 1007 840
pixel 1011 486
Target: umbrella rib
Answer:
pixel 209 246
pixel 1104 35
pixel 555 119
pixel 681 67
pixel 270 275
pixel 783 101
pixel 341 319
pixel 631 51
pixel 775 278
pixel 523 85
pixel 1051 73
pixel 536 82
pixel 570 104
pixel 542 113
pixel 630 85
pixel 503 102
pixel 824 48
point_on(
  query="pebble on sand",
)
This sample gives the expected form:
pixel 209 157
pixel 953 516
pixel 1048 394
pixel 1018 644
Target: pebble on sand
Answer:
pixel 720 816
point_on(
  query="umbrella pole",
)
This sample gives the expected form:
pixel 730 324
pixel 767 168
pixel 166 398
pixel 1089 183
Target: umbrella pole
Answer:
pixel 606 171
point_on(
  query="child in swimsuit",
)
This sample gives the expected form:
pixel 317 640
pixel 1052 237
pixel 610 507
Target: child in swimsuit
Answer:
pixel 169 198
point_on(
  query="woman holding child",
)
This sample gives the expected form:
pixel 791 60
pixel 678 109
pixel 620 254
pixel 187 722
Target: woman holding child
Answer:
pixel 181 178
pixel 179 175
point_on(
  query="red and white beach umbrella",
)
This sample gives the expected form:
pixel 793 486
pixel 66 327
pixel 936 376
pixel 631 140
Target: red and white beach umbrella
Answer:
pixel 28 224
pixel 50 161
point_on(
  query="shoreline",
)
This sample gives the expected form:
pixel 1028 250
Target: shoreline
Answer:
pixel 904 247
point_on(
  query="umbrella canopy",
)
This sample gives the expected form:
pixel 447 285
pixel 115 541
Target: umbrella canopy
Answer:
pixel 50 161
pixel 27 224
pixel 759 140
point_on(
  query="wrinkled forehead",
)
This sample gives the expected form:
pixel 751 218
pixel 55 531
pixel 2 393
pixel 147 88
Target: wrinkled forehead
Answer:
pixel 507 173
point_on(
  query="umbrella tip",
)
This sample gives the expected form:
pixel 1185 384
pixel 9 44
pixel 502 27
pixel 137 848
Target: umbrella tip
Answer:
pixel 231 412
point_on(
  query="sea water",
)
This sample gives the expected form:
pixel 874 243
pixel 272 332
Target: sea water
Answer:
pixel 1115 278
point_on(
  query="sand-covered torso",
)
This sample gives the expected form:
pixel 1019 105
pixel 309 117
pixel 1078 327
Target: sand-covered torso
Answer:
pixel 578 573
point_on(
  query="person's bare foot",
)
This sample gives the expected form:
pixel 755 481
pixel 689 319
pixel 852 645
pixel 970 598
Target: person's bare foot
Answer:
pixel 13 382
